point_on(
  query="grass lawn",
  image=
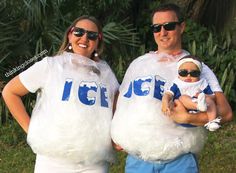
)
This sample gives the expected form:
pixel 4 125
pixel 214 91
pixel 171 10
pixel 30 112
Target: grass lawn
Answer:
pixel 218 156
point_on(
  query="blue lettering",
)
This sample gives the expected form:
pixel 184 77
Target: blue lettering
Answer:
pixel 67 89
pixel 104 102
pixel 129 92
pixel 83 92
pixel 159 88
pixel 87 93
pixel 141 87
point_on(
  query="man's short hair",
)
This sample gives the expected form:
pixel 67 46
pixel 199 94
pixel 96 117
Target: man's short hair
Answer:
pixel 170 7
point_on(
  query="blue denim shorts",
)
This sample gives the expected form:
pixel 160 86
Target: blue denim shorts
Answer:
pixel 186 163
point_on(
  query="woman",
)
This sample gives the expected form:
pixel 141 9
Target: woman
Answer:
pixel 69 128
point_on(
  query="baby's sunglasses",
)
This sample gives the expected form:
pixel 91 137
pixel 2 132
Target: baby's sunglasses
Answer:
pixel 170 26
pixel 79 32
pixel 192 73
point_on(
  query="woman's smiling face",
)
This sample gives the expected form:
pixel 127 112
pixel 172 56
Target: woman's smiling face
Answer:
pixel 82 45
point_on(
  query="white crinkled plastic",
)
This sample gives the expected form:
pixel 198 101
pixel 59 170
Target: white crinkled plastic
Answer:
pixel 140 127
pixel 69 129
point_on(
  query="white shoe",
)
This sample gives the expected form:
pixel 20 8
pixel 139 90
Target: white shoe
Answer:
pixel 213 125
pixel 201 102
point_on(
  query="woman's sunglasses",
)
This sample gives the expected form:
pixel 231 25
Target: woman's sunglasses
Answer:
pixel 170 26
pixel 79 32
pixel 192 73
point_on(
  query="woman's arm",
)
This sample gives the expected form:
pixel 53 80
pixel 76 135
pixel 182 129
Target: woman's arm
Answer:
pixel 12 94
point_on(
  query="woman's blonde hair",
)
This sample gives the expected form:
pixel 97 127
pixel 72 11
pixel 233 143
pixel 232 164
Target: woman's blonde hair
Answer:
pixel 65 43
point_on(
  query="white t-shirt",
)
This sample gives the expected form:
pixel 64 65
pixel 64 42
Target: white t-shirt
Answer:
pixel 139 126
pixel 73 111
pixel 179 87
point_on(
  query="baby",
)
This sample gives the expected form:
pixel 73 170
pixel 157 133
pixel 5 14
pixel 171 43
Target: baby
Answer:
pixel 193 91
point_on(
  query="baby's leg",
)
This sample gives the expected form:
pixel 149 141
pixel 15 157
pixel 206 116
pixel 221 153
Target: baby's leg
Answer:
pixel 214 123
pixel 211 109
pixel 201 102
pixel 188 102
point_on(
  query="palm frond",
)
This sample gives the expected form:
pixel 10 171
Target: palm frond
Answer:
pixel 122 33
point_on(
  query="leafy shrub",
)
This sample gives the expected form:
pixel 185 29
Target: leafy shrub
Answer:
pixel 217 52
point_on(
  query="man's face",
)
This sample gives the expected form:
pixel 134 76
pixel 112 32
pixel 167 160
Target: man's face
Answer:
pixel 168 41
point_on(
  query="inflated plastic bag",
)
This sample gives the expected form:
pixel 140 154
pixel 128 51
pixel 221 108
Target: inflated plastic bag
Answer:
pixel 139 126
pixel 72 116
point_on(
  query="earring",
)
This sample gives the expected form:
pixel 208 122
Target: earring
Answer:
pixel 96 54
pixel 70 47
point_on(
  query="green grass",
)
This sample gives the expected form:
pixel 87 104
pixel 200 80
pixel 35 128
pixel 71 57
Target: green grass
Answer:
pixel 15 155
pixel 219 153
pixel 218 156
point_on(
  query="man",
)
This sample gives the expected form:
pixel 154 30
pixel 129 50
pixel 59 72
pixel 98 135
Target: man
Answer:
pixel 155 142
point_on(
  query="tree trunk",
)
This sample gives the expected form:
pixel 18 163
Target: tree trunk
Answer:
pixel 218 13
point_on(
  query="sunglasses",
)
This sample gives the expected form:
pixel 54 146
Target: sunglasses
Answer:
pixel 170 26
pixel 192 73
pixel 79 32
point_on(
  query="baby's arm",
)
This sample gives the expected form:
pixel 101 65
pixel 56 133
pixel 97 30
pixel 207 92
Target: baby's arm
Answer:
pixel 211 96
pixel 166 103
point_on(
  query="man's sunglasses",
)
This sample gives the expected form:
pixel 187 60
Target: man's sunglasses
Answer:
pixel 79 32
pixel 170 26
pixel 192 73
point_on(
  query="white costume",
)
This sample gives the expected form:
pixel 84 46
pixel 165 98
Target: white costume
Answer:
pixel 72 116
pixel 139 126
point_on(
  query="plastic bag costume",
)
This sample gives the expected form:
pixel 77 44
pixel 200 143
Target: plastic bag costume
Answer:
pixel 139 126
pixel 72 116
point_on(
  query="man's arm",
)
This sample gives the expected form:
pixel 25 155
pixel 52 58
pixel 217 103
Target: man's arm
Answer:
pixel 223 108
pixel 114 102
pixel 116 146
pixel 180 115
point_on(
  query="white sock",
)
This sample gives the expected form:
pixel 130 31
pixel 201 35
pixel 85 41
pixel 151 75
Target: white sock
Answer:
pixel 201 102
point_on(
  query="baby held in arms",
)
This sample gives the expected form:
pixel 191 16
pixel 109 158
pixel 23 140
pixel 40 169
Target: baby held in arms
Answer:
pixel 193 91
